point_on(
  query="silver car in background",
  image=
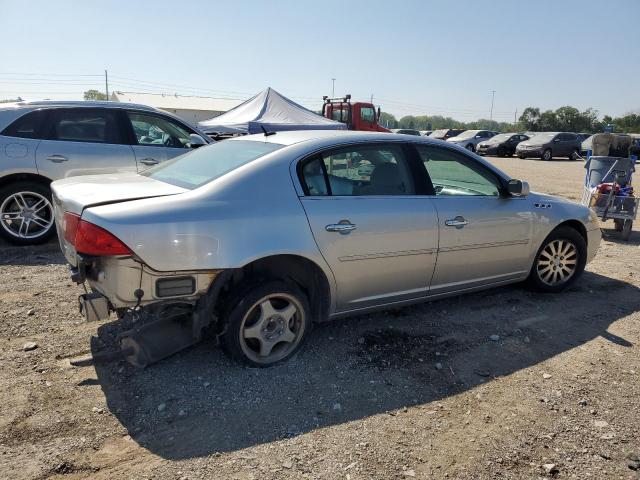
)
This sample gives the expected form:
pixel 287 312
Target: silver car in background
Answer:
pixel 254 239
pixel 45 141
pixel 469 139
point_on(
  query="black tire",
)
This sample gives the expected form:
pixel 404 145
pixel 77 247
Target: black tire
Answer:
pixel 244 311
pixel 32 193
pixel 471 147
pixel 563 234
pixel 618 224
pixel 574 155
pixel 521 156
pixel 626 230
pixel 546 155
pixel 501 152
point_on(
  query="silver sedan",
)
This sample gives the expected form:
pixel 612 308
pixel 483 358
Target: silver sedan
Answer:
pixel 254 239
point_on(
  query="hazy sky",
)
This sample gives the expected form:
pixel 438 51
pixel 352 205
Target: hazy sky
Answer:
pixel 415 57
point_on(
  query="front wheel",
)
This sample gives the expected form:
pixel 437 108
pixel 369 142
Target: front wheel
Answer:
pixel 471 147
pixel 26 213
pixel 547 155
pixel 521 156
pixel 501 152
pixel 559 262
pixel 266 324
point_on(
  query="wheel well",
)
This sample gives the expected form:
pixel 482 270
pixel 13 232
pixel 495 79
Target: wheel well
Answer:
pixel 308 276
pixel 24 177
pixel 576 225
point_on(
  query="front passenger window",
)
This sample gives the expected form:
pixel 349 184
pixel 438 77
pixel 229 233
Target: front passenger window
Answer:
pixel 454 174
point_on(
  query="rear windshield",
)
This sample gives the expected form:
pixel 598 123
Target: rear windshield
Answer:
pixel 208 163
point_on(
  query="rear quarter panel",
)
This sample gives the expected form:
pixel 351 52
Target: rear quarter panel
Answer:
pixel 250 213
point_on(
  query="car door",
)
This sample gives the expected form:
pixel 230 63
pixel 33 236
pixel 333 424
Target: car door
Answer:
pixel 372 222
pixel 156 137
pixel 83 141
pixel 485 236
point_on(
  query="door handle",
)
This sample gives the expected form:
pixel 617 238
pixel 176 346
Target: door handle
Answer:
pixel 340 227
pixel 57 158
pixel 149 161
pixel 458 222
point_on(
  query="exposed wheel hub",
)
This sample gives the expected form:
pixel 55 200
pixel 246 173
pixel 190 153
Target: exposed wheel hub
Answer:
pixel 273 327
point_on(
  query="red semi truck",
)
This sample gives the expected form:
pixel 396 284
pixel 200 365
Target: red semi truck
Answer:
pixel 358 116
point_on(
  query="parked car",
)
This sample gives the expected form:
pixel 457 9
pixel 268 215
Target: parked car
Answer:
pixel 583 136
pixel 445 133
pixel 547 145
pixel 426 133
pixel 406 131
pixel 253 240
pixel 470 138
pixel 45 141
pixel 503 144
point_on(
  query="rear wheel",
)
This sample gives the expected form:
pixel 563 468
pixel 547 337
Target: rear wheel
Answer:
pixel 574 154
pixel 26 213
pixel 547 155
pixel 471 147
pixel 521 156
pixel 626 230
pixel 559 262
pixel 618 224
pixel 266 324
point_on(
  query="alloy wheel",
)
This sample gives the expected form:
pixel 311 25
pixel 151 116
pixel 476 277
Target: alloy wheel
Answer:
pixel 557 262
pixel 26 215
pixel 272 328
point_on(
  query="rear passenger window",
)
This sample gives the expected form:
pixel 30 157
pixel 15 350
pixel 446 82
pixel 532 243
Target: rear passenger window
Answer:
pixel 27 126
pixel 358 171
pixel 85 125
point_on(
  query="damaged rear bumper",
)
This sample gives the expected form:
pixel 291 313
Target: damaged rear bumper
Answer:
pixel 168 311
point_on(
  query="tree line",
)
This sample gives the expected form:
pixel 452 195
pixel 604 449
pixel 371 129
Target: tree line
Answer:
pixel 563 119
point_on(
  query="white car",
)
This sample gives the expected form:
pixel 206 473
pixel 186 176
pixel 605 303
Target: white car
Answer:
pixel 45 141
pixel 469 139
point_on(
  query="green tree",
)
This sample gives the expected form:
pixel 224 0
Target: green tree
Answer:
pixel 387 120
pixel 94 95
pixel 530 119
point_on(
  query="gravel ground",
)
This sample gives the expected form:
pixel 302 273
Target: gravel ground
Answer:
pixel 500 384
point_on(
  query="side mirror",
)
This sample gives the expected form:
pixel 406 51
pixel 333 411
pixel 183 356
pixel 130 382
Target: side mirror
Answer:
pixel 196 141
pixel 518 188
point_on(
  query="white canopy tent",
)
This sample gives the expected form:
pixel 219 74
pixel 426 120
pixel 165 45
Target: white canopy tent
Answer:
pixel 270 110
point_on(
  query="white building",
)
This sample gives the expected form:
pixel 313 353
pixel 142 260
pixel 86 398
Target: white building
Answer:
pixel 188 108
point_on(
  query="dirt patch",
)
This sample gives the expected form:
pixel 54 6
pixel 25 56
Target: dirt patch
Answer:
pixel 498 384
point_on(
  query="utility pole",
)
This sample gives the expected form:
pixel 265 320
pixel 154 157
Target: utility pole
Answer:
pixel 333 88
pixel 515 116
pixel 372 99
pixel 106 84
pixel 493 94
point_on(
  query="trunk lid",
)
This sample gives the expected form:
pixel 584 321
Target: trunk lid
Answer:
pixel 75 194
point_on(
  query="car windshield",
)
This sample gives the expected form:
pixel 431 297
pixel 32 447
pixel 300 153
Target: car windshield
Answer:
pixel 503 137
pixel 468 134
pixel 208 163
pixel 543 137
pixel 439 133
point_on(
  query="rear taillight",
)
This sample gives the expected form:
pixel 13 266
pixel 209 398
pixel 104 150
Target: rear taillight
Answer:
pixel 90 239
pixel 70 227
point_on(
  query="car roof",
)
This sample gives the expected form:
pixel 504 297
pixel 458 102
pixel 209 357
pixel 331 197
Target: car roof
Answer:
pixel 76 103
